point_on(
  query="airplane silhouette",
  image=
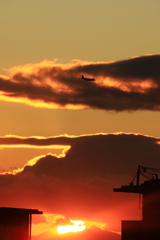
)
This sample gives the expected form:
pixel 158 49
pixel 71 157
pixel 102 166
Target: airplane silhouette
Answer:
pixel 88 79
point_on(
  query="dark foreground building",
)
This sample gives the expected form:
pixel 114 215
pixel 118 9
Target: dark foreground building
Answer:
pixel 149 227
pixel 15 223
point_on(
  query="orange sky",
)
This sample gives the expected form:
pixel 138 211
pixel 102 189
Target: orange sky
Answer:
pixel 51 118
pixel 79 184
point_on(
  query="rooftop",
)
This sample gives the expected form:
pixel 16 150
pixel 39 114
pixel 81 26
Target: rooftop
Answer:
pixel 19 210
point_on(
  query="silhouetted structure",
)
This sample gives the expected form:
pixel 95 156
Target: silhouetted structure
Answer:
pixel 15 223
pixel 149 227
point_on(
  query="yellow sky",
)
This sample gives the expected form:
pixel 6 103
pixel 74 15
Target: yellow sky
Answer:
pixel 32 31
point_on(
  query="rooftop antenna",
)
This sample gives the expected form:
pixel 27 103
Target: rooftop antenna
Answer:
pixel 145 172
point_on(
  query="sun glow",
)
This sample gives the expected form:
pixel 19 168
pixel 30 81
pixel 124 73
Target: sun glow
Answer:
pixel 77 226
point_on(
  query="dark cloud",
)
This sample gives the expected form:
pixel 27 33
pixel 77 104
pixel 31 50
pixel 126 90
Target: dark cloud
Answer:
pixel 131 84
pixel 36 141
pixel 140 68
pixel 96 155
pixel 80 185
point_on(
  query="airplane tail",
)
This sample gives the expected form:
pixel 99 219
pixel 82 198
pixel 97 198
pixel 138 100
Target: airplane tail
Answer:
pixel 82 77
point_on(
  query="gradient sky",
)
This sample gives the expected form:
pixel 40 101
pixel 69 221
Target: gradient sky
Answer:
pixel 92 32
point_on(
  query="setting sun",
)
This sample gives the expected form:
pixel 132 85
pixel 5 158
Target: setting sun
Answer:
pixel 77 226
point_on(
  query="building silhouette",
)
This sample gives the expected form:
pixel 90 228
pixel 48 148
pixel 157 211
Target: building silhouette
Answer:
pixel 15 223
pixel 149 227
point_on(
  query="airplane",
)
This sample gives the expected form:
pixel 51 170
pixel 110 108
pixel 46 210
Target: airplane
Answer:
pixel 88 79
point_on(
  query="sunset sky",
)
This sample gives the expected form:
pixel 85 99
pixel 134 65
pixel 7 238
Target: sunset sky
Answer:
pixel 65 143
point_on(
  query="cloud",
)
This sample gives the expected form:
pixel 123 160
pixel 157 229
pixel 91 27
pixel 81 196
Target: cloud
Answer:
pixel 85 147
pixel 80 185
pixel 35 141
pixel 131 84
